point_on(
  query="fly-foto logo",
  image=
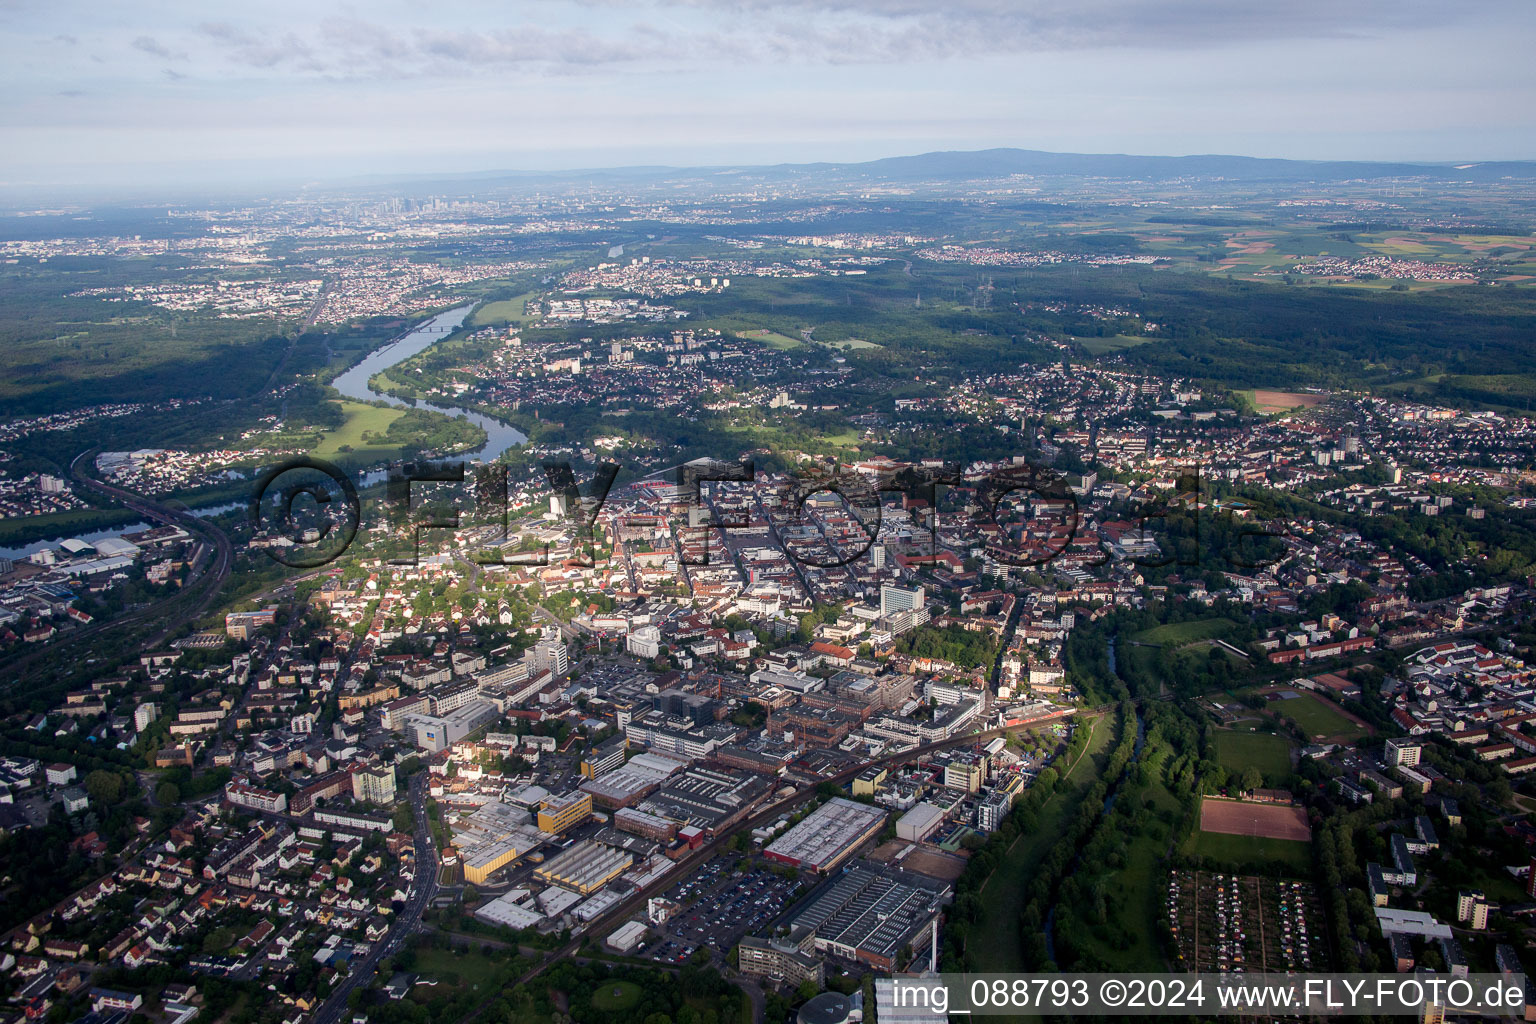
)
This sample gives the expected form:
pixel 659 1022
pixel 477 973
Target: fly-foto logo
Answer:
pixel 1020 515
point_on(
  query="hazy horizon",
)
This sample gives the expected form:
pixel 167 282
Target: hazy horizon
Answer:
pixel 102 95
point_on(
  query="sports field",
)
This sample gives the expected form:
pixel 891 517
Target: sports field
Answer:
pixel 1251 850
pixel 1236 750
pixel 1115 343
pixel 1244 818
pixel 1318 718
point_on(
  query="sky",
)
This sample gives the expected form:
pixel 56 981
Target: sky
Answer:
pixel 178 91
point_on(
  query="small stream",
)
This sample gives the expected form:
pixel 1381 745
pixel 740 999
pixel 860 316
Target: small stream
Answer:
pixel 1109 804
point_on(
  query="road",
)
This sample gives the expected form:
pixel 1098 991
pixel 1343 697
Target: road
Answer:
pixel 995 677
pixel 406 923
pixel 568 632
pixel 169 614
pixel 309 321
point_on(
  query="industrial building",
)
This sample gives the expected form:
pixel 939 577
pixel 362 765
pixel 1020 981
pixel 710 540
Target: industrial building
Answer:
pixel 868 914
pixel 707 798
pixel 603 758
pixel 559 813
pixel 493 837
pixel 627 936
pixel 919 823
pixel 992 809
pixel 790 959
pixel 488 858
pixel 438 732
pixel 828 835
pixel 585 867
pixel 623 787
pixel 507 911
pixel 630 819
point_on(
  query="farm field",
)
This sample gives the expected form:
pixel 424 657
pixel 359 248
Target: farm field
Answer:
pixel 361 419
pixel 1271 402
pixel 772 339
pixel 503 311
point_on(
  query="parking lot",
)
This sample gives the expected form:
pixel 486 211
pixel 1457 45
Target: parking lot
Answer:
pixel 720 905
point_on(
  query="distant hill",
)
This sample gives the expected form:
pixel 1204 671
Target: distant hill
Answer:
pixel 976 165
pixel 992 163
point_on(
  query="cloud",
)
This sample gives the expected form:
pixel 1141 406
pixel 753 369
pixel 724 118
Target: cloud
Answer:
pixel 354 47
pixel 883 31
pixel 155 48
pixel 257 50
pixel 596 36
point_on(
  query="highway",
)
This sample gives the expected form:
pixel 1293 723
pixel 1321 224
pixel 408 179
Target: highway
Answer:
pixel 406 923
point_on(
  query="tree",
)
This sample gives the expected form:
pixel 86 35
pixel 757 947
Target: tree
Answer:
pixel 1252 779
pixel 167 793
pixel 104 787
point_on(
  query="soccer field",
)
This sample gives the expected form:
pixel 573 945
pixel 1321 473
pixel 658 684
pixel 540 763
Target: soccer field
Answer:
pixel 1316 717
pixel 1269 753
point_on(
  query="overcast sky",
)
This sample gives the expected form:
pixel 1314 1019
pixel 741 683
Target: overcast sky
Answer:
pixel 99 92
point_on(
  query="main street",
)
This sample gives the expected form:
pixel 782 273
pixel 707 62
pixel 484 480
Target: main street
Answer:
pixel 406 923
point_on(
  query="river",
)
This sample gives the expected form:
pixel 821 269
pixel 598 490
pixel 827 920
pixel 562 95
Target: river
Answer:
pixel 499 436
pixel 21 551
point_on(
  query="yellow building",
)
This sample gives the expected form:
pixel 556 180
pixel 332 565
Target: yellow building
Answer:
pixel 966 775
pixel 368 698
pixel 868 781
pixel 585 867
pixel 561 812
pixel 486 859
